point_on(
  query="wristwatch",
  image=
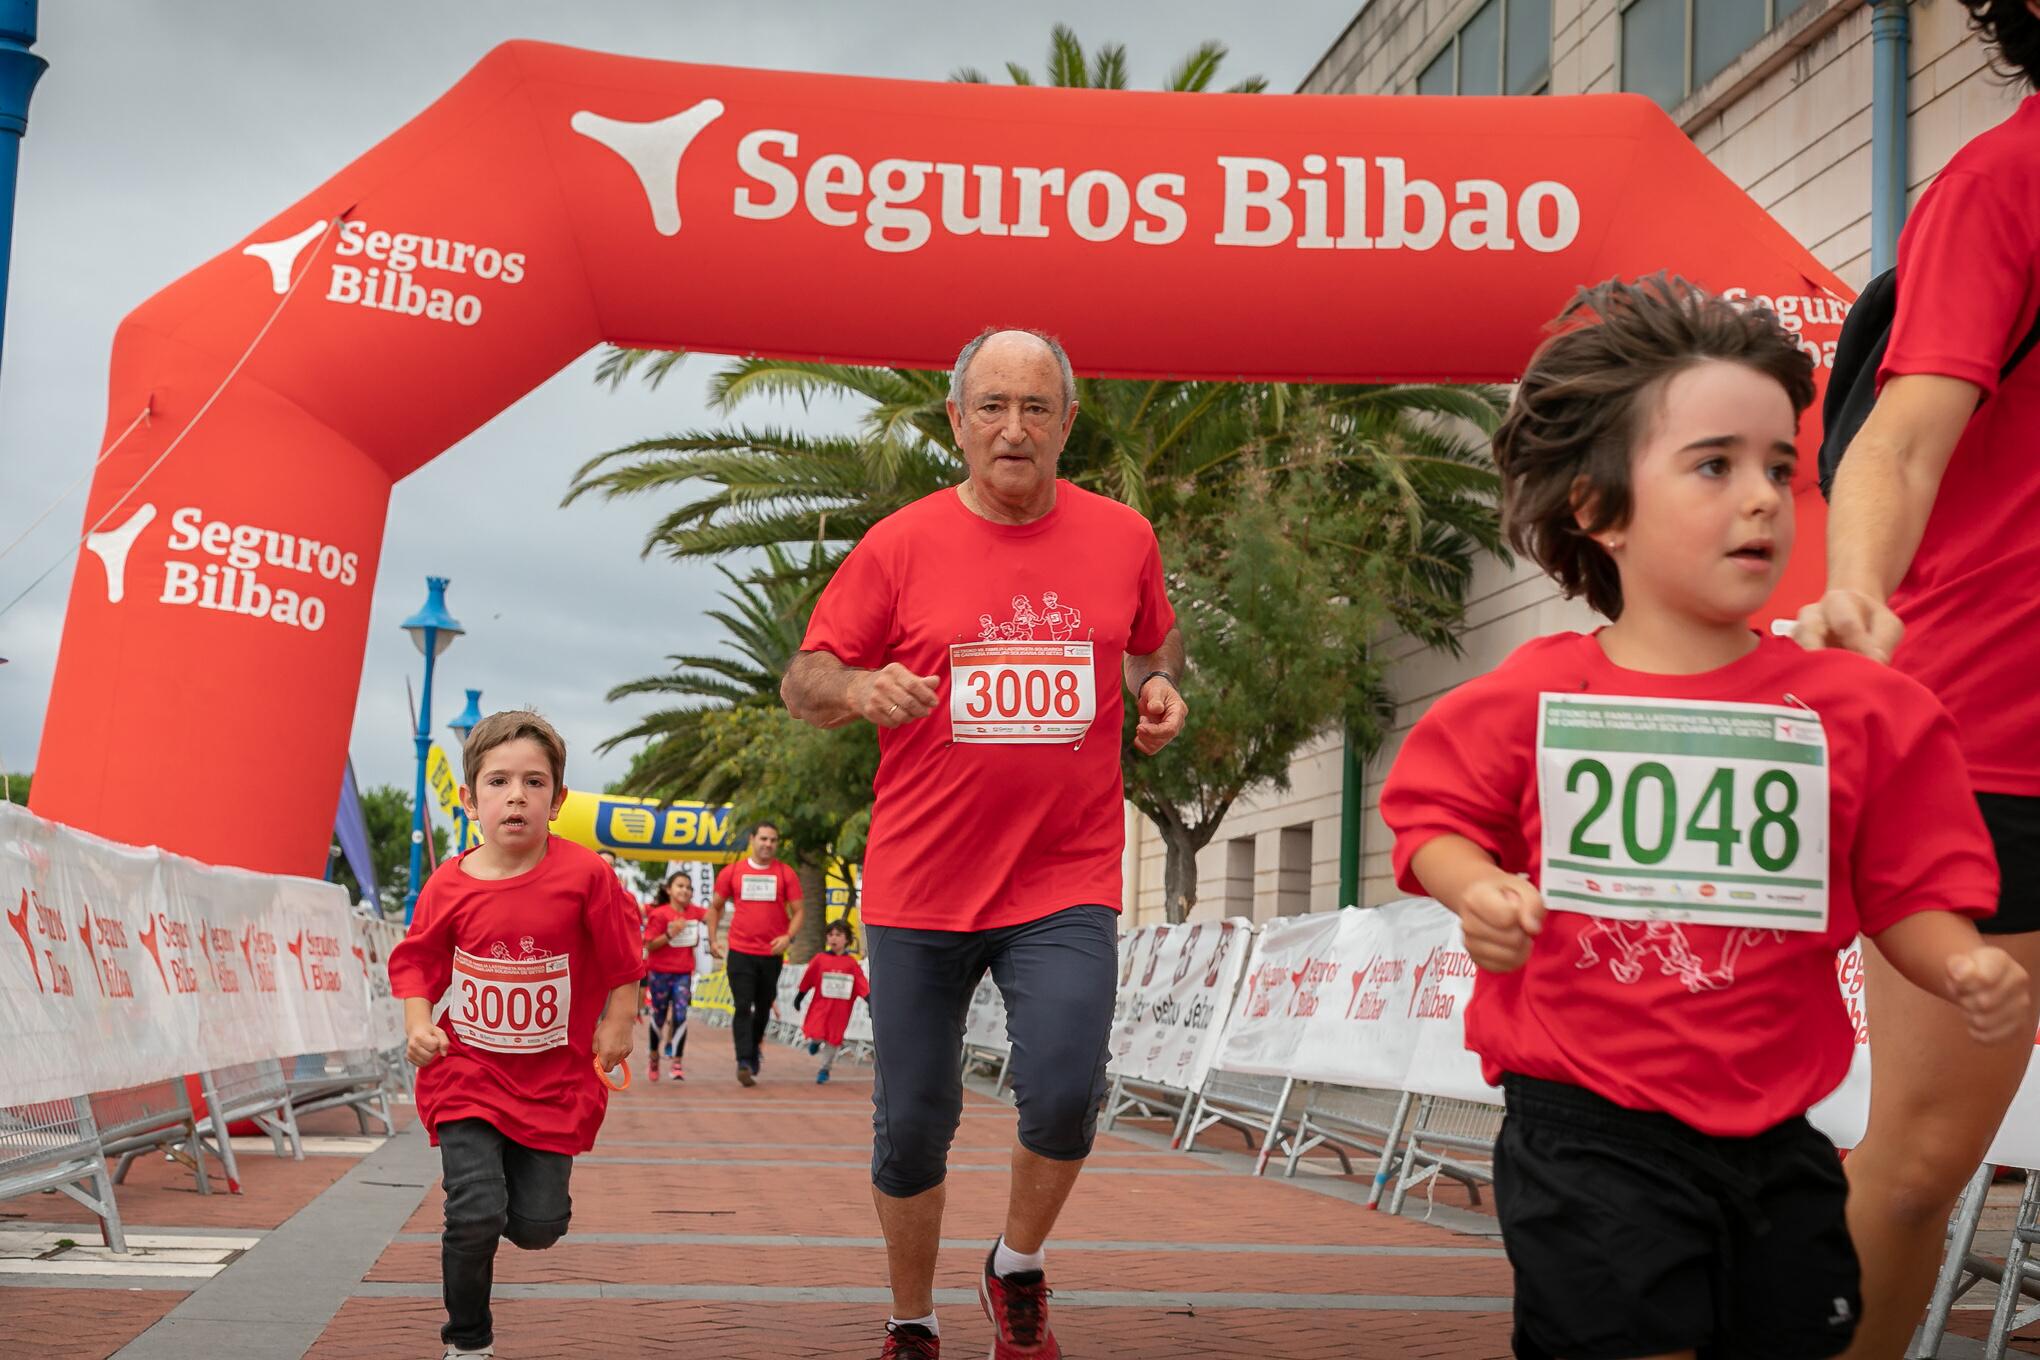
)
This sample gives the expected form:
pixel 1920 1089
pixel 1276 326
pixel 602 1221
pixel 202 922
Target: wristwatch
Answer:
pixel 1151 675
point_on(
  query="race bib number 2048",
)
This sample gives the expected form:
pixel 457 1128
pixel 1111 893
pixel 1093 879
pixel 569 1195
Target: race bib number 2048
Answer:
pixel 1675 810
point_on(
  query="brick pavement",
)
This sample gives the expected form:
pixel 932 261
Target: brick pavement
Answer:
pixel 716 1221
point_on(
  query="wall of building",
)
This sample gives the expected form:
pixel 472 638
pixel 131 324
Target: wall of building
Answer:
pixel 1790 122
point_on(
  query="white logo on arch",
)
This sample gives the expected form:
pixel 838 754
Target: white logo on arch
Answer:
pixel 281 256
pixel 653 150
pixel 112 548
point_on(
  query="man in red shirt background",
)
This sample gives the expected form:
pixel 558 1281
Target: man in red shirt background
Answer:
pixel 767 915
pixel 999 821
pixel 1934 567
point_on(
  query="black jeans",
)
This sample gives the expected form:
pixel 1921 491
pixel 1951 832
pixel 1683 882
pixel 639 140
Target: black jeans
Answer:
pixel 754 986
pixel 495 1187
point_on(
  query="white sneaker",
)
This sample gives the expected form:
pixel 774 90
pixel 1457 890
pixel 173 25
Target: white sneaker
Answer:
pixel 456 1353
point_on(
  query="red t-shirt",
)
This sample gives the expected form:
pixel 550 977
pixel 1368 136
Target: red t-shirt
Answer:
pixel 670 958
pixel 525 966
pixel 759 901
pixel 829 1016
pixel 1729 1030
pixel 970 835
pixel 1967 264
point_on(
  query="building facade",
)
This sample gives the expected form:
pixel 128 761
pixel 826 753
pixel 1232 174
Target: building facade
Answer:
pixel 1780 95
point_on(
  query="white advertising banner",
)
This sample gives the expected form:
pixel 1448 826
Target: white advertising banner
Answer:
pixel 984 1025
pixel 123 965
pixel 1372 998
pixel 1846 1113
pixel 1176 984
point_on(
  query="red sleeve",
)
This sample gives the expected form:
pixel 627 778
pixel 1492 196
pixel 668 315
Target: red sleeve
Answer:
pixel 725 882
pixel 1153 616
pixel 422 963
pixel 610 918
pixel 792 881
pixel 1463 771
pixel 853 620
pixel 1965 268
pixel 655 925
pixel 1921 844
pixel 812 973
pixel 863 983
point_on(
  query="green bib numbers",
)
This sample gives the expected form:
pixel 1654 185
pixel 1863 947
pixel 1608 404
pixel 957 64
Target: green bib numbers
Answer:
pixel 1684 810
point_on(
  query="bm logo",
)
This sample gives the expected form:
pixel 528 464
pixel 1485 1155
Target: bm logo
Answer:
pixel 672 829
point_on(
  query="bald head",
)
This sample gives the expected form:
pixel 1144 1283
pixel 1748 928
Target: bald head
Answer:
pixel 1015 352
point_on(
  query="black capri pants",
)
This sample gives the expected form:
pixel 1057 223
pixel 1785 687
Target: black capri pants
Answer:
pixel 1058 975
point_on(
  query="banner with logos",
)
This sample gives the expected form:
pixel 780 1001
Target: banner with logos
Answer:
pixel 1372 998
pixel 1176 985
pixel 123 965
pixel 555 198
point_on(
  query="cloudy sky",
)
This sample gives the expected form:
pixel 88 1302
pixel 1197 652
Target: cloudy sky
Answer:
pixel 165 131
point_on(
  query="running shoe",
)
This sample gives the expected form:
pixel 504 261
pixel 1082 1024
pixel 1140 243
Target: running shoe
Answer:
pixel 1017 1305
pixel 655 1064
pixel 457 1353
pixel 744 1075
pixel 678 1075
pixel 910 1341
pixel 822 1077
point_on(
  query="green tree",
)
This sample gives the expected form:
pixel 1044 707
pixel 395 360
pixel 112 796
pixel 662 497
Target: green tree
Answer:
pixel 16 786
pixel 387 810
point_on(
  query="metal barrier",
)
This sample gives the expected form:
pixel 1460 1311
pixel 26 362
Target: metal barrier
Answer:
pixel 1442 1128
pixel 351 1078
pixel 2020 1275
pixel 995 1061
pixel 54 1145
pixel 1251 1104
pixel 1152 1099
pixel 140 1119
pixel 1356 1117
pixel 255 1091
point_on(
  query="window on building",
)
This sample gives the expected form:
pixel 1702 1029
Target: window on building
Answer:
pixel 1505 48
pixel 1671 48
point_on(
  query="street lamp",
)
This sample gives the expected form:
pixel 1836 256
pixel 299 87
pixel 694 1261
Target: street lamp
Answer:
pixel 460 727
pixel 433 630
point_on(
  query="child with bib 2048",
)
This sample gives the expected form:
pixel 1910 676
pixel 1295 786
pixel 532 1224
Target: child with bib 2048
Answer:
pixel 532 944
pixel 1656 837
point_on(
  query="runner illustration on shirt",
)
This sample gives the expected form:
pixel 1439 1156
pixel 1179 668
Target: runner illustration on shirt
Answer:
pixel 525 943
pixel 1063 620
pixel 1675 953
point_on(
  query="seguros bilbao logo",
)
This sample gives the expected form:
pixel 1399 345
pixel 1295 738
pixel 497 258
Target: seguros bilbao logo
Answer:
pixel 246 569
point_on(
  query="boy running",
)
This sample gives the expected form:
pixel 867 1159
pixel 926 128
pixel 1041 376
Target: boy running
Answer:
pixel 838 980
pixel 528 940
pixel 1656 837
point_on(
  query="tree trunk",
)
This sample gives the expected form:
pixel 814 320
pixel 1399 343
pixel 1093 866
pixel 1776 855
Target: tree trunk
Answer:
pixel 814 893
pixel 1179 873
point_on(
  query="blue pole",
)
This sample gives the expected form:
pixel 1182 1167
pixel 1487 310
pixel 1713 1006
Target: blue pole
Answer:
pixel 424 747
pixel 19 71
pixel 1890 34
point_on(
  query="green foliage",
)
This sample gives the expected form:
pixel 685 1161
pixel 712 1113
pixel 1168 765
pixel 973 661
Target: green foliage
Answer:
pixel 387 810
pixel 17 787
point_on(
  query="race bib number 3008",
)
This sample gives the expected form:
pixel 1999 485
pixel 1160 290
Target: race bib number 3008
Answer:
pixel 1021 692
pixel 1684 811
pixel 510 1005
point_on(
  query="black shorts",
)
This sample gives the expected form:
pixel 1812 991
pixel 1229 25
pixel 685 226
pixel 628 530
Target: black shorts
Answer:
pixel 1634 1234
pixel 2014 822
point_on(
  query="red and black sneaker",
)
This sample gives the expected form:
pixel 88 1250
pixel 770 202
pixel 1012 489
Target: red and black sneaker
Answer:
pixel 1017 1304
pixel 655 1064
pixel 910 1341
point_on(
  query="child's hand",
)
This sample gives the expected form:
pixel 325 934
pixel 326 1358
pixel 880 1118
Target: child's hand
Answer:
pixel 1500 916
pixel 425 1044
pixel 1994 994
pixel 612 1042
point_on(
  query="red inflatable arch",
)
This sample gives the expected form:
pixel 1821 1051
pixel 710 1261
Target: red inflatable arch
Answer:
pixel 555 199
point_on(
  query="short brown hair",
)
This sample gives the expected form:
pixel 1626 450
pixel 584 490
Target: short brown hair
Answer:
pixel 1565 444
pixel 500 728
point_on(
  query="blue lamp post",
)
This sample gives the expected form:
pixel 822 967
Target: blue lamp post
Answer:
pixel 433 630
pixel 460 727
pixel 19 71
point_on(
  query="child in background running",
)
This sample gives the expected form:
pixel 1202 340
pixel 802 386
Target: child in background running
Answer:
pixel 839 980
pixel 671 934
pixel 528 938
pixel 1656 837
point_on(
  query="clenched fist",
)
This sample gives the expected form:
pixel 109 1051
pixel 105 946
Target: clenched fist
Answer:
pixel 893 695
pixel 1500 916
pixel 1994 994
pixel 425 1044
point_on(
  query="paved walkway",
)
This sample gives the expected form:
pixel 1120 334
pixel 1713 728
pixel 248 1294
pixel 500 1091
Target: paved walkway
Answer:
pixel 713 1220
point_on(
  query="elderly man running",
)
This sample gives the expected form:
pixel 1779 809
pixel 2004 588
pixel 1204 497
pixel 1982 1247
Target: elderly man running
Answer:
pixel 998 827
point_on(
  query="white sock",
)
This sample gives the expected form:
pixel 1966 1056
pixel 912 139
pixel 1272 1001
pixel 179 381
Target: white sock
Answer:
pixel 1006 1261
pixel 928 1322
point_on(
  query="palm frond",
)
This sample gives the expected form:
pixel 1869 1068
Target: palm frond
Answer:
pixel 1194 74
pixel 1066 65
